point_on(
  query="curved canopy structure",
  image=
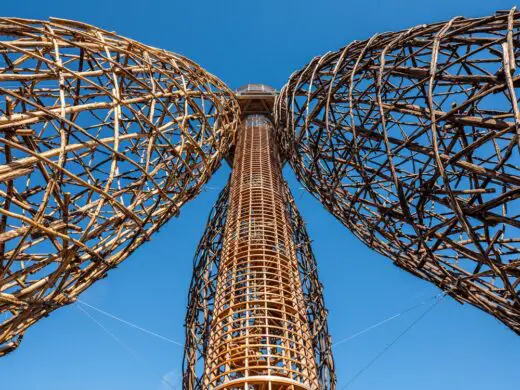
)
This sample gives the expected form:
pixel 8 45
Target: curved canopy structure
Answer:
pixel 102 140
pixel 411 139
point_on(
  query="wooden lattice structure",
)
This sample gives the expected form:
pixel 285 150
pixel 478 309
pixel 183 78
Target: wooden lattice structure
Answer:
pixel 259 336
pixel 312 296
pixel 203 289
pixel 201 297
pixel 411 139
pixel 102 140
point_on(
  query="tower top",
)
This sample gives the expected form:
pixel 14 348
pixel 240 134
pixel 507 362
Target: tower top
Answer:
pixel 255 89
pixel 256 99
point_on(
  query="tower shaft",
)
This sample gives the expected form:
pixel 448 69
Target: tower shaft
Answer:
pixel 259 336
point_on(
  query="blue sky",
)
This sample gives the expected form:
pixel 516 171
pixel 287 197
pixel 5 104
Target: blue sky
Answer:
pixel 453 348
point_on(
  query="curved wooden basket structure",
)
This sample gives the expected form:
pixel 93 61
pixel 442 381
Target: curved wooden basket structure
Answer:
pixel 411 139
pixel 102 140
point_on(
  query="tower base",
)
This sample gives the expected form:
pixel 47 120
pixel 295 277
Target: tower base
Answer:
pixel 263 383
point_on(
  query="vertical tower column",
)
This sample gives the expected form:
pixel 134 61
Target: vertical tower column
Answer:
pixel 259 337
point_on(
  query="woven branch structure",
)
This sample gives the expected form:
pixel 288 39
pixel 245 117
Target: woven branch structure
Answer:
pixel 201 297
pixel 411 139
pixel 102 140
pixel 312 295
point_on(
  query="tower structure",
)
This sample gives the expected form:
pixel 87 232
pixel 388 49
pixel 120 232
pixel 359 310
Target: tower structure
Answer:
pixel 259 337
pixel 256 317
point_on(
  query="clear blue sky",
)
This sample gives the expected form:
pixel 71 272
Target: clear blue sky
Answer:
pixel 453 348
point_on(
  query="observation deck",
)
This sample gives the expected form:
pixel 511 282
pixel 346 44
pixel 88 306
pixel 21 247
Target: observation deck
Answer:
pixel 256 99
